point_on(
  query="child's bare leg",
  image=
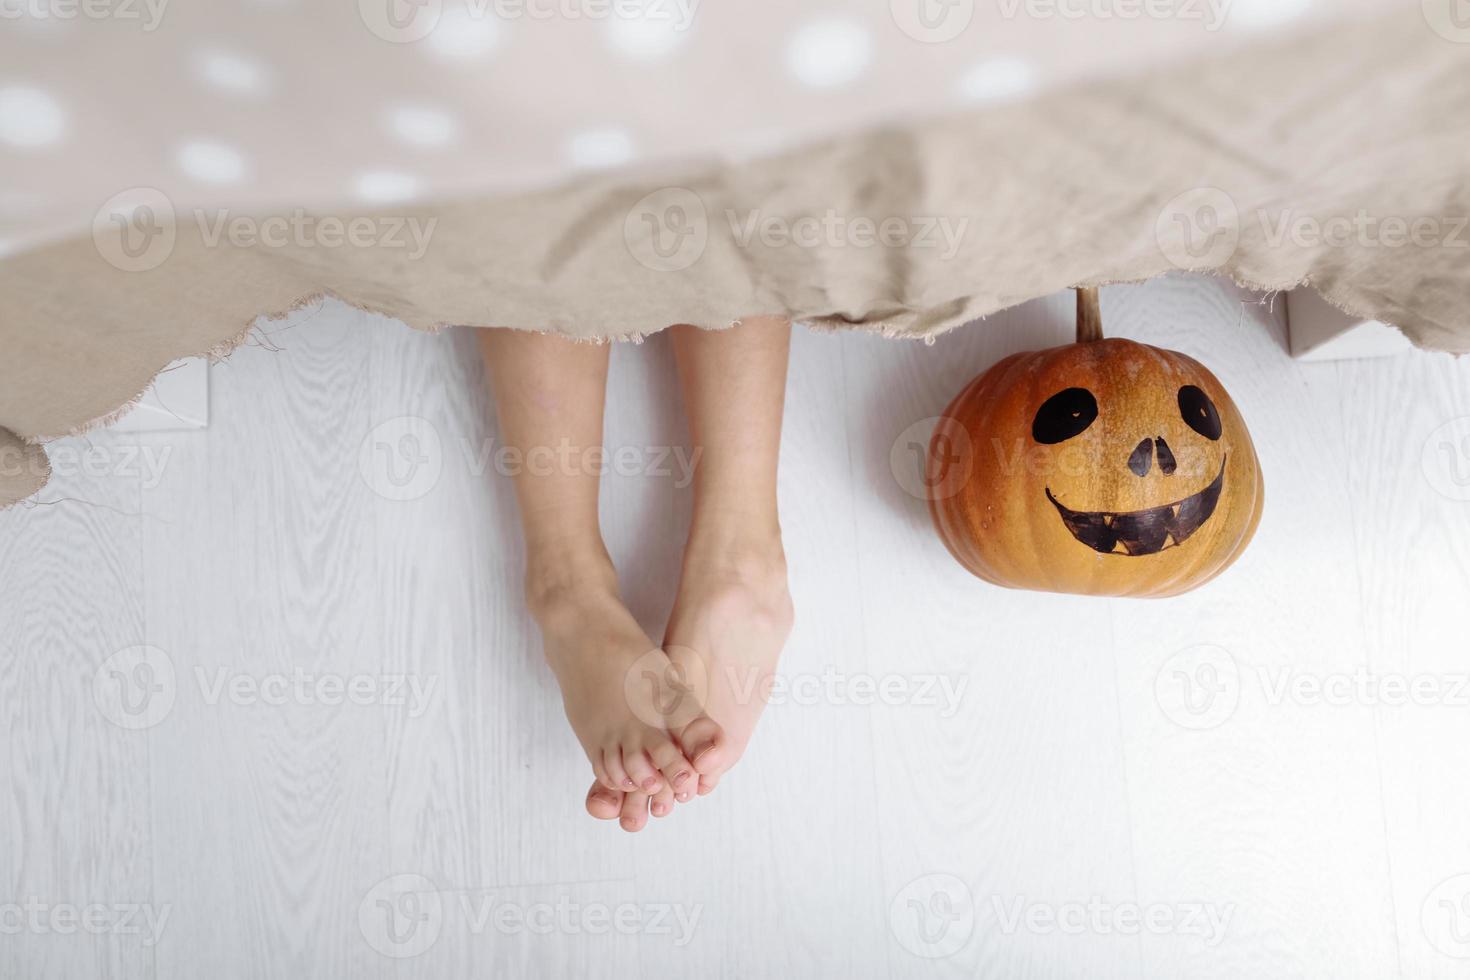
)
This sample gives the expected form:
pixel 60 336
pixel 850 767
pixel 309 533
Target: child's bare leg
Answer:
pixel 549 394
pixel 733 611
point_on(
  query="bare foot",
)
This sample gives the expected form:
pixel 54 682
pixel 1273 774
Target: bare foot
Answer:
pixel 730 621
pixel 600 656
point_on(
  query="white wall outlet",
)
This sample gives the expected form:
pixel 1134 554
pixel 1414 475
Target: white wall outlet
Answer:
pixel 1320 331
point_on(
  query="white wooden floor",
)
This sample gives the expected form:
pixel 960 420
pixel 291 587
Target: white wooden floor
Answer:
pixel 1104 789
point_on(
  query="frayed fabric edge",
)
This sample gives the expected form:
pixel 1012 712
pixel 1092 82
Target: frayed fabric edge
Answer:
pixel 822 322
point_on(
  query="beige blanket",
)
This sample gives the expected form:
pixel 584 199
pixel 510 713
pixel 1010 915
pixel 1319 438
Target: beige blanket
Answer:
pixel 1337 159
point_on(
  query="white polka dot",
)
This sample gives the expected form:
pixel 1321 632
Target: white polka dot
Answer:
pixel 232 72
pixel 1255 14
pixel 998 80
pixel 29 118
pixel 211 163
pixel 598 148
pixel 828 53
pixel 653 34
pixel 422 125
pixel 387 187
pixel 465 35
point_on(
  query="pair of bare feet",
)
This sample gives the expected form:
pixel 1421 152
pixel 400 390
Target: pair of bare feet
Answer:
pixel 663 724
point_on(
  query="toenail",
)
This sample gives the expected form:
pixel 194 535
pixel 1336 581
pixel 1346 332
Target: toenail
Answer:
pixel 630 784
pixel 681 779
pixel 702 753
pixel 650 784
pixel 682 797
pixel 660 810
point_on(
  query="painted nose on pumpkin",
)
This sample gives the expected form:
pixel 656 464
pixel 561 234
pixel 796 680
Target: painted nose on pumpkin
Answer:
pixel 1141 460
pixel 1166 458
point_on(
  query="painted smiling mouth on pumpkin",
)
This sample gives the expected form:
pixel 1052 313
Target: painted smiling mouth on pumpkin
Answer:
pixel 1142 532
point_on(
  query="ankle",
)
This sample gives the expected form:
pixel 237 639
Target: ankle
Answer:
pixel 740 547
pixel 558 577
pixel 737 576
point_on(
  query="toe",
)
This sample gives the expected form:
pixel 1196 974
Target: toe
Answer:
pixel 662 803
pixel 640 769
pixel 707 784
pixel 612 760
pixel 705 745
pixel 679 773
pixel 635 812
pixel 599 769
pixel 603 803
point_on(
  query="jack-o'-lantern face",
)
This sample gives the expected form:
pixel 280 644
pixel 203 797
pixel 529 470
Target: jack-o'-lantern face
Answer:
pixel 1149 530
pixel 1107 467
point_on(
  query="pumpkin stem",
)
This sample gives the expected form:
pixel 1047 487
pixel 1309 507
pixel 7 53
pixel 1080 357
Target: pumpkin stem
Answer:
pixel 1089 315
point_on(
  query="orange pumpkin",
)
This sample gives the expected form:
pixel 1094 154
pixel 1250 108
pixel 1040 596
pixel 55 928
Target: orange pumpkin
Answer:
pixel 1105 467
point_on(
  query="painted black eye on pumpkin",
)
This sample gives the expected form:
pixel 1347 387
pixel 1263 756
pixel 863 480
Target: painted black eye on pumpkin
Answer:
pixel 1199 412
pixel 1064 415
